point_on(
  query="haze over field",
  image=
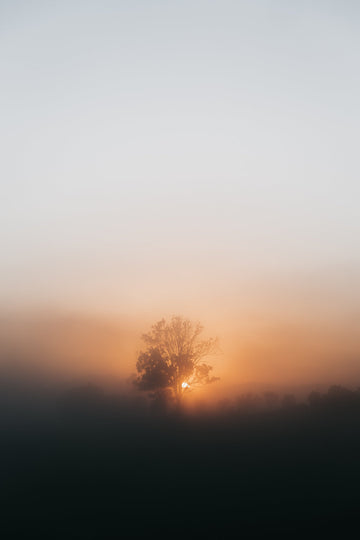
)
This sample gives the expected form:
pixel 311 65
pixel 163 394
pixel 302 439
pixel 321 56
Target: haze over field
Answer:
pixel 185 157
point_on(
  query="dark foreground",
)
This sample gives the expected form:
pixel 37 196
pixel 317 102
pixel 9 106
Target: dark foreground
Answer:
pixel 102 470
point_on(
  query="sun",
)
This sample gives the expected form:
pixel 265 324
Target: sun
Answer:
pixel 184 385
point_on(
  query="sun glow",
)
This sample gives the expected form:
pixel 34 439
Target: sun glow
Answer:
pixel 184 385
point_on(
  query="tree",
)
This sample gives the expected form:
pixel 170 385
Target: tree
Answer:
pixel 174 358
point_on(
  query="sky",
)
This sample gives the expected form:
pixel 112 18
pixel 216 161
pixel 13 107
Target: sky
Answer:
pixel 201 158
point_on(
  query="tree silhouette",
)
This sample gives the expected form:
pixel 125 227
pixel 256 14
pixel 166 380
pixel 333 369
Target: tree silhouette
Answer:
pixel 174 358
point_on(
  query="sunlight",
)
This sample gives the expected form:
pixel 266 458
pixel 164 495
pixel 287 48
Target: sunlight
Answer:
pixel 184 385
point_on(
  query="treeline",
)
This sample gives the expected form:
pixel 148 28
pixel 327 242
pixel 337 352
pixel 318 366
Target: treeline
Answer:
pixel 94 400
pixel 99 465
pixel 91 397
pixel 336 397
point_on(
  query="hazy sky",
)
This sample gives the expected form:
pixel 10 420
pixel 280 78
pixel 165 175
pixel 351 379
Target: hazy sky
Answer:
pixel 198 157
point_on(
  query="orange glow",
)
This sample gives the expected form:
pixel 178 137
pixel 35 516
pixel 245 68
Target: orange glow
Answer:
pixel 275 344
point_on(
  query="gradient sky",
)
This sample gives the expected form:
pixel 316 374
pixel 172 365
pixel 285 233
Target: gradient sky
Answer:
pixel 194 157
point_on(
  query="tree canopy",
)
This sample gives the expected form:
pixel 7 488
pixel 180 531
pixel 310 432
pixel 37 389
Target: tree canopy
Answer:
pixel 174 357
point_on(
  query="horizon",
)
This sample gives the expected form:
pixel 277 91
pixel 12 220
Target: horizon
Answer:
pixel 171 158
pixel 179 268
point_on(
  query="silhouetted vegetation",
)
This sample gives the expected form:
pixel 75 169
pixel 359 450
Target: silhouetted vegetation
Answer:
pixel 173 362
pixel 84 463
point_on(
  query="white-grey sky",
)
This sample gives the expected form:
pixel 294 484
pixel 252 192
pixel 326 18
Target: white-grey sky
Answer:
pixel 154 151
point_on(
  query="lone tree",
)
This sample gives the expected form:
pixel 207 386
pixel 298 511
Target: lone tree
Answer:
pixel 174 358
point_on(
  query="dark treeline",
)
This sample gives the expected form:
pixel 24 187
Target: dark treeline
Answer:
pixel 81 463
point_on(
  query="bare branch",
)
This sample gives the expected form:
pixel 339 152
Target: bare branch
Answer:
pixel 175 354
